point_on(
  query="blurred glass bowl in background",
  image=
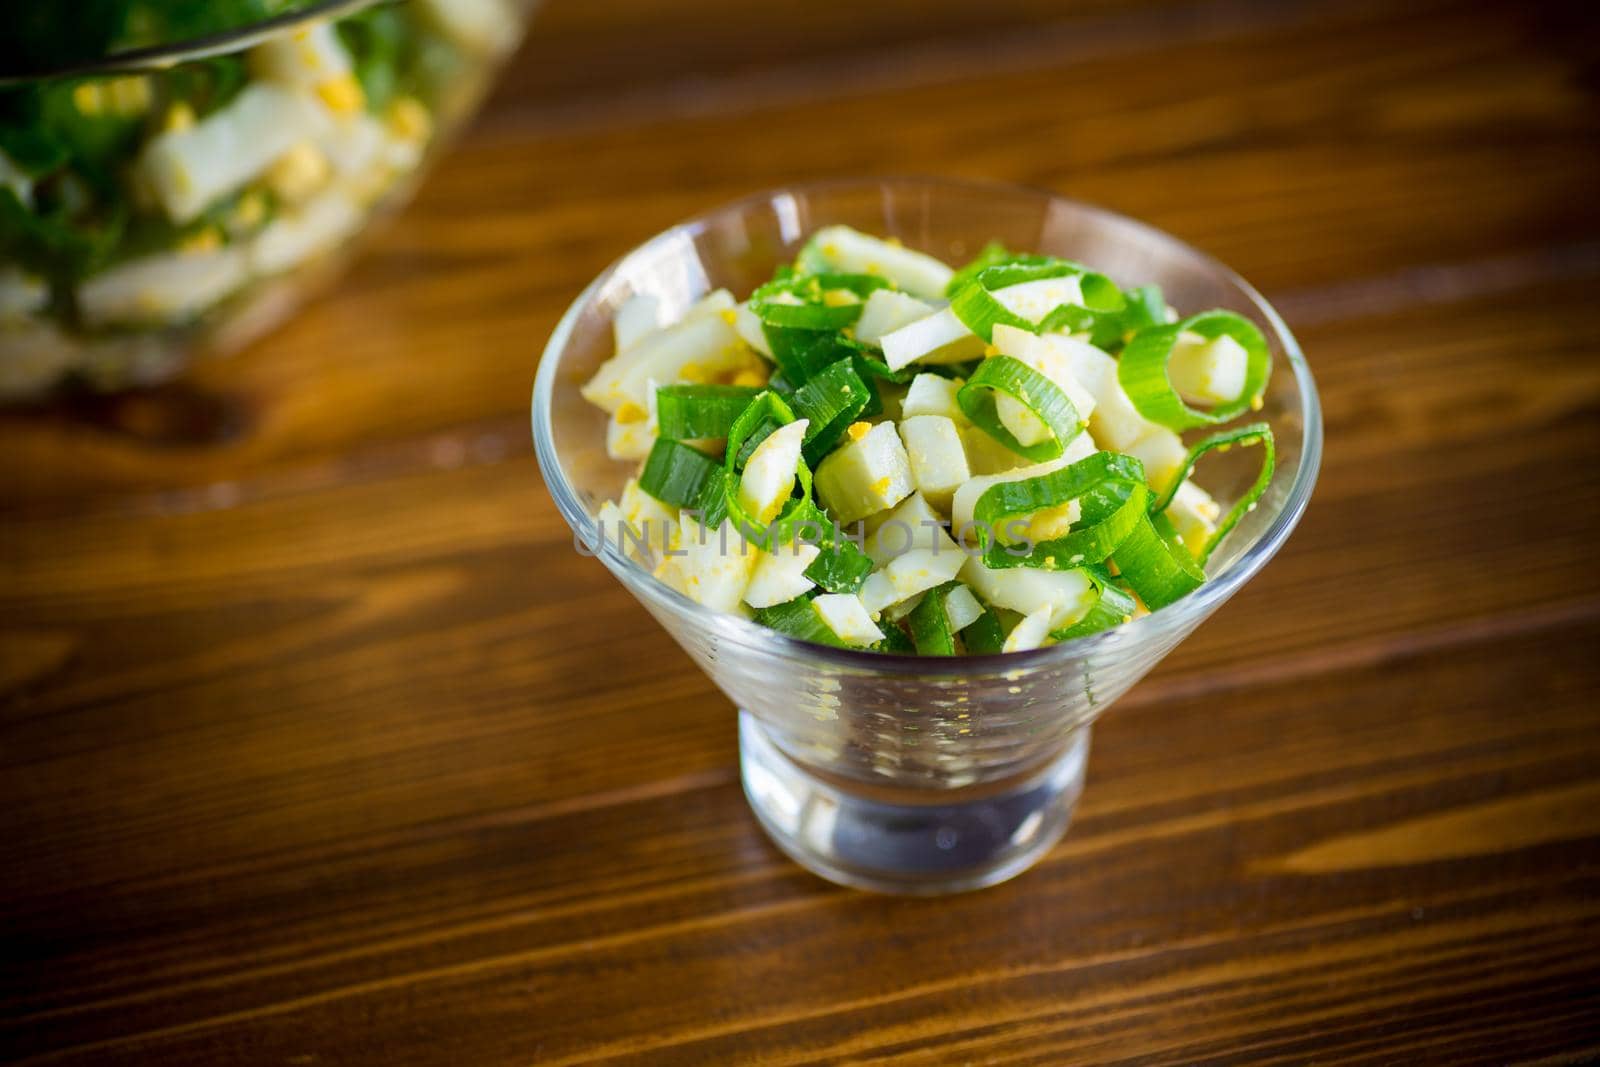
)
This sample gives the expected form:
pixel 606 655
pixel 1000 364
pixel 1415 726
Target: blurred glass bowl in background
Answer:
pixel 175 179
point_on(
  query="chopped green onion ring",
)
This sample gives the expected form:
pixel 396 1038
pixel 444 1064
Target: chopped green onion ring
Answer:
pixel 807 316
pixel 1105 328
pixel 798 618
pixel 831 401
pixel 1044 398
pixel 813 313
pixel 1111 608
pixel 869 362
pixel 930 623
pixel 763 428
pixel 803 354
pixel 975 305
pixel 895 641
pixel 767 408
pixel 1145 307
pixel 1155 564
pixel 1142 370
pixel 1112 498
pixel 985 635
pixel 1099 292
pixel 863 285
pixel 699 412
pixel 841 566
pixel 685 477
pixel 1255 433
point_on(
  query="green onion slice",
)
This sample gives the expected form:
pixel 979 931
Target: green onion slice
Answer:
pixel 1145 307
pixel 976 306
pixel 930 623
pixel 1111 609
pixel 832 400
pixel 1255 433
pixel 1105 328
pixel 870 367
pixel 685 477
pixel 985 635
pixel 813 313
pixel 863 285
pixel 841 566
pixel 895 641
pixel 798 618
pixel 762 416
pixel 700 412
pixel 869 363
pixel 1099 292
pixel 1047 401
pixel 1155 564
pixel 1109 330
pixel 1142 370
pixel 803 354
pixel 807 316
pixel 759 432
pixel 1112 499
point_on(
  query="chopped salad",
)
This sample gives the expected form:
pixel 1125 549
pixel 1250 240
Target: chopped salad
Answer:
pixel 876 450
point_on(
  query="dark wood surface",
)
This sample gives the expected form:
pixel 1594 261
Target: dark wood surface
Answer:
pixel 320 748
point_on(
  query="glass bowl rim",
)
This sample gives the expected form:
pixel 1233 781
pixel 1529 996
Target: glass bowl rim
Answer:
pixel 172 53
pixel 1202 601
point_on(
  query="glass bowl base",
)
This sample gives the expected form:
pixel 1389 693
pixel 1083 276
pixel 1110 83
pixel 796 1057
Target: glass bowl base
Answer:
pixel 908 841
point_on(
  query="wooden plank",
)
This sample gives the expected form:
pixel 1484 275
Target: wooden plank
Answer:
pixel 628 46
pixel 424 642
pixel 636 62
pixel 1289 868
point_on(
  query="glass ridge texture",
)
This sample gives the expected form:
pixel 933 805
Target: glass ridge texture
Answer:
pixel 961 744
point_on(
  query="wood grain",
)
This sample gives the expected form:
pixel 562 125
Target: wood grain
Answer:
pixel 316 742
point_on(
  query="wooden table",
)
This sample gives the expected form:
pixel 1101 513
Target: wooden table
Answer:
pixel 320 747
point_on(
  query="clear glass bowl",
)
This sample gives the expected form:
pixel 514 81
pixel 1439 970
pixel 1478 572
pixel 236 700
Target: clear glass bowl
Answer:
pixel 133 240
pixel 900 773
